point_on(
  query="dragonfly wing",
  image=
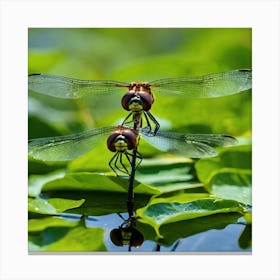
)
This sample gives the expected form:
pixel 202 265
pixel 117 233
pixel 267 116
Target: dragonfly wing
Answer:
pixel 189 145
pixel 214 140
pixel 209 86
pixel 69 88
pixel 68 147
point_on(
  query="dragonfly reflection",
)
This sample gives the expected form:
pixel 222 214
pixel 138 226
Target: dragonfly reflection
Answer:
pixel 139 98
pixel 123 139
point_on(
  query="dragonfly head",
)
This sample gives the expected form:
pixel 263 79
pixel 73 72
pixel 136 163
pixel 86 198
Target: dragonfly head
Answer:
pixel 127 234
pixel 122 139
pixel 137 101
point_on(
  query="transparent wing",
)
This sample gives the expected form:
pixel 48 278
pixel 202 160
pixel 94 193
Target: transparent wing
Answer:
pixel 209 86
pixel 69 88
pixel 189 145
pixel 68 147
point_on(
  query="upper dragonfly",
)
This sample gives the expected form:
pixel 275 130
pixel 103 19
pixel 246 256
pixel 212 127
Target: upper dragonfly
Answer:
pixel 139 98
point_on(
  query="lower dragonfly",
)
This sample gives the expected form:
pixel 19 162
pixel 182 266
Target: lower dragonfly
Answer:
pixel 121 140
pixel 140 98
pixel 127 234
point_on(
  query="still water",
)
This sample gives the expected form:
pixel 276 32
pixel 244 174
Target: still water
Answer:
pixel 211 241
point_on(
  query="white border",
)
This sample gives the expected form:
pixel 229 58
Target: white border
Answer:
pixel 262 16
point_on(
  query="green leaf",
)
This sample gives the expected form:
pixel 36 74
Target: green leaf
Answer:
pixel 36 182
pixel 43 223
pixel 183 207
pixel 163 171
pixel 248 217
pixel 230 159
pixel 171 232
pixel 65 239
pixel 52 206
pixel 102 194
pixel 245 239
pixel 233 185
pixel 61 204
pixel 169 174
pixel 229 175
pixel 40 206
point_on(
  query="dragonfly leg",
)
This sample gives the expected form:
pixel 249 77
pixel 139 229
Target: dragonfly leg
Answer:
pixel 125 120
pixel 148 115
pixel 127 222
pixel 123 165
pixel 138 157
pixel 148 123
pixel 128 156
pixel 113 161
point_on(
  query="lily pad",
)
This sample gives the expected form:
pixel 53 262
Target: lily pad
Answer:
pixel 65 239
pixel 184 207
pixel 36 182
pixel 101 194
pixel 43 223
pixel 233 159
pixel 228 176
pixel 169 233
pixel 41 206
pixel 233 185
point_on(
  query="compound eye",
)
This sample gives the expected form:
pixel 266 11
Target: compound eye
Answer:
pixel 132 139
pixel 147 100
pixel 111 141
pixel 126 100
pixel 116 237
pixel 137 238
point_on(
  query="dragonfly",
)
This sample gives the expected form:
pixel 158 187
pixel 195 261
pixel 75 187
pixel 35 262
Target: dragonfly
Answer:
pixel 127 234
pixel 139 98
pixel 121 140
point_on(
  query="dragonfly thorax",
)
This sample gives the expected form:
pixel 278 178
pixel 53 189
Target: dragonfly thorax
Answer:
pixel 140 86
